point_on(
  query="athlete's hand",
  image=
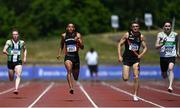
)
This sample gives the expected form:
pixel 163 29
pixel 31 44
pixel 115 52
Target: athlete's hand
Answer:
pixel 58 57
pixel 120 59
pixel 178 56
pixel 140 56
pixel 164 41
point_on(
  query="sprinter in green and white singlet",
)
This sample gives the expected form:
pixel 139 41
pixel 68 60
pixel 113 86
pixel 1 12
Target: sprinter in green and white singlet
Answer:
pixel 169 47
pixel 167 42
pixel 13 49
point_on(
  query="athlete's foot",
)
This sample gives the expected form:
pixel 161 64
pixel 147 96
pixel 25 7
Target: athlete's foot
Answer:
pixel 135 98
pixel 71 91
pixel 170 89
pixel 15 92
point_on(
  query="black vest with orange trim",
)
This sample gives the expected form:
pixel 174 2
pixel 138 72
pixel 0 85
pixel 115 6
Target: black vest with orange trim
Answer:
pixel 132 45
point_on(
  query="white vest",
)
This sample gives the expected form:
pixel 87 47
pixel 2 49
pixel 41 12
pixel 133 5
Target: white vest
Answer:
pixel 169 48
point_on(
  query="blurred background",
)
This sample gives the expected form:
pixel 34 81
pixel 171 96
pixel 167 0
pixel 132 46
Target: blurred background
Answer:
pixel 101 23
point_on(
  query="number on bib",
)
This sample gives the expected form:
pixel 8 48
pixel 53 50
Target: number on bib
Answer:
pixel 133 47
pixel 15 52
pixel 71 48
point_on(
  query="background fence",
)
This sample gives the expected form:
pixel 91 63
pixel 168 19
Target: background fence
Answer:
pixel 105 72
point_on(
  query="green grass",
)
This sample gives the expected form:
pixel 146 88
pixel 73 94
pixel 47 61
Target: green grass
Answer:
pixel 45 50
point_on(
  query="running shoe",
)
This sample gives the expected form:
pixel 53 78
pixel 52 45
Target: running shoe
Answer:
pixel 170 89
pixel 71 91
pixel 15 92
pixel 135 98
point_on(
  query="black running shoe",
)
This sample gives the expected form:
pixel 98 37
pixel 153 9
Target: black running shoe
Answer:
pixel 71 91
pixel 15 92
pixel 170 90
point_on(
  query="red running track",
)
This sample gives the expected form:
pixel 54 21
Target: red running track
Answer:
pixel 87 94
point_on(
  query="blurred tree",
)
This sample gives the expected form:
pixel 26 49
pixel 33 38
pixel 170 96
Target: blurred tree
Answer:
pixel 38 18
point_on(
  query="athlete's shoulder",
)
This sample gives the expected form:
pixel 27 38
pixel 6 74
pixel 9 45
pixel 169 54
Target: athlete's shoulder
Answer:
pixel 175 33
pixel 126 35
pixel 8 42
pixel 21 41
pixel 77 33
pixel 160 33
pixel 63 34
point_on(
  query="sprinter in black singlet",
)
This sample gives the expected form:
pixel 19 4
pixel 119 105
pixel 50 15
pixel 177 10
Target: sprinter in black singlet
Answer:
pixel 71 41
pixel 132 40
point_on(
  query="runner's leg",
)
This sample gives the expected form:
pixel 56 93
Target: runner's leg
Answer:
pixel 76 72
pixel 11 74
pixel 125 74
pixel 18 71
pixel 171 76
pixel 68 65
pixel 136 78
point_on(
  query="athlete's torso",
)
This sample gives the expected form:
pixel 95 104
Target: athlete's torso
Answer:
pixel 132 45
pixel 14 50
pixel 169 47
pixel 71 47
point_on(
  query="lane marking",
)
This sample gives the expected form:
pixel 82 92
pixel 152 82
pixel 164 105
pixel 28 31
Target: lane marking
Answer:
pixel 164 85
pixel 11 89
pixel 86 94
pixel 41 95
pixel 157 90
pixel 161 91
pixel 125 92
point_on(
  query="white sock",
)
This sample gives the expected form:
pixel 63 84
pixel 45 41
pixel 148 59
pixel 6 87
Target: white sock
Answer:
pixel 171 78
pixel 17 82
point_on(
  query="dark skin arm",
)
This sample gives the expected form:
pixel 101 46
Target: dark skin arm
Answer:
pixel 60 50
pixel 80 40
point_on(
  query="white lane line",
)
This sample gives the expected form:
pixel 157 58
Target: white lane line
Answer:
pixel 161 91
pixel 164 85
pixel 120 90
pixel 44 92
pixel 89 98
pixel 157 90
pixel 11 89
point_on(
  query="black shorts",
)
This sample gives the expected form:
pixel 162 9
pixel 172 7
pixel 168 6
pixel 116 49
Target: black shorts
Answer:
pixel 11 65
pixel 164 62
pixel 130 62
pixel 74 59
pixel 93 68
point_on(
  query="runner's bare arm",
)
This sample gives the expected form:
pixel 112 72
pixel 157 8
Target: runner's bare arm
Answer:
pixel 120 43
pixel 5 48
pixel 158 44
pixel 144 47
pixel 24 53
pixel 60 50
pixel 177 46
pixel 80 41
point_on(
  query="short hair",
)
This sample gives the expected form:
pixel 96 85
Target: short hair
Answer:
pixel 134 22
pixel 167 21
pixel 14 29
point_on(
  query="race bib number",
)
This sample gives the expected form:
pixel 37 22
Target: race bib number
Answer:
pixel 15 52
pixel 71 48
pixel 133 47
pixel 169 49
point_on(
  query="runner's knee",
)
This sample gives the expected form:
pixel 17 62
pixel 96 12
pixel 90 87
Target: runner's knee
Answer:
pixel 125 78
pixel 136 77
